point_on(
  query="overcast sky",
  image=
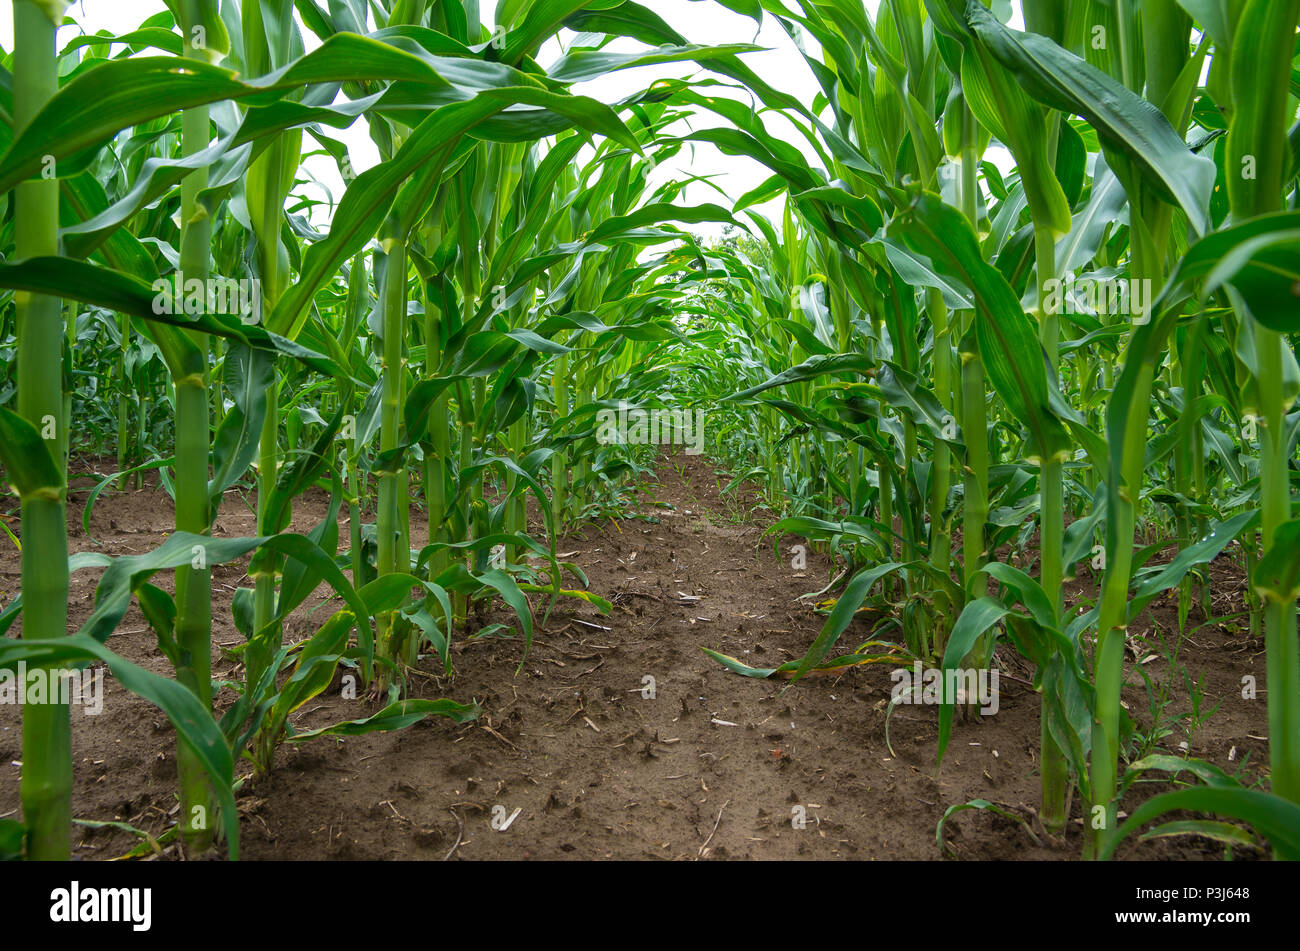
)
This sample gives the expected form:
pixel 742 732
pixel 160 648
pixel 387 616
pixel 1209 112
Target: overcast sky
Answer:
pixel 703 23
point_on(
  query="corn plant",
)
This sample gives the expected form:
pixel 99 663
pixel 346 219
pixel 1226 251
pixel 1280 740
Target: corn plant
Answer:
pixel 1050 108
pixel 892 357
pixel 47 777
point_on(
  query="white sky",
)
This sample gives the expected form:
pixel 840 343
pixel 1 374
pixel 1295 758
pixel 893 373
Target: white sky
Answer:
pixel 702 23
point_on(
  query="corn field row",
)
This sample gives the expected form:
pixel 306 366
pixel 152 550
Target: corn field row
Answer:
pixel 972 381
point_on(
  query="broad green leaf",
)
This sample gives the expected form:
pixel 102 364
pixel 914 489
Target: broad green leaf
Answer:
pixel 1273 817
pixel 27 460
pixel 1013 358
pixel 1277 576
pixel 194 724
pixel 395 716
pixel 1123 120
pixel 976 618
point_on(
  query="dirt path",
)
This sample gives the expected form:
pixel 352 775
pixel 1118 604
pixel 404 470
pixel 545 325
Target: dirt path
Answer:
pixel 712 765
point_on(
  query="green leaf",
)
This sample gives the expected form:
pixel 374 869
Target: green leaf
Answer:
pixel 27 459
pixel 1260 257
pixel 193 722
pixel 1277 576
pixel 1273 817
pixel 249 375
pixel 739 667
pixel 846 606
pixel 1123 120
pixel 118 94
pixel 812 368
pixel 976 618
pixel 1013 357
pixel 124 293
pixel 1225 833
pixel 983 805
pixel 906 393
pixel 1207 773
pixel 1102 213
pixel 1263 53
pixel 396 716
pixel 1002 106
pixel 1217 537
pixel 317 661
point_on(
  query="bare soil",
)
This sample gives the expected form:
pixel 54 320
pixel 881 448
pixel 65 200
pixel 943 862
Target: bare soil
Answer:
pixel 714 765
